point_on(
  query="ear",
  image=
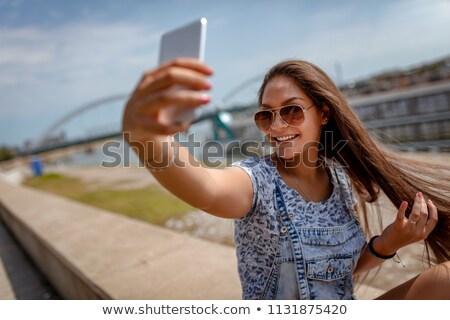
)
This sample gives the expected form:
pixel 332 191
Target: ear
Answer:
pixel 326 114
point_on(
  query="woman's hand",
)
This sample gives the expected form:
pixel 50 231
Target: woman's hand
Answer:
pixel 144 115
pixel 404 231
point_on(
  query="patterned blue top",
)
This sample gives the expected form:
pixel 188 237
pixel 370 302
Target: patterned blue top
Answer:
pixel 291 248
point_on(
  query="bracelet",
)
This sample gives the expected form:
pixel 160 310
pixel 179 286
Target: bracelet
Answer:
pixel 376 254
pixel 171 161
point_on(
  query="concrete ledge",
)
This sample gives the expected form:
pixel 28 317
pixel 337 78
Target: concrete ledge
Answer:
pixel 88 253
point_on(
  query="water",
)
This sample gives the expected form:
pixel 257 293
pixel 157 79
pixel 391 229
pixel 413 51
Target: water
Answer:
pixel 116 153
pixel 112 153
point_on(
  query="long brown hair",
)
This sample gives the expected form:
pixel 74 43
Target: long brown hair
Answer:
pixel 370 166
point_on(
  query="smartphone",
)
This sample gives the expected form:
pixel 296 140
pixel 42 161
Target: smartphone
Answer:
pixel 186 41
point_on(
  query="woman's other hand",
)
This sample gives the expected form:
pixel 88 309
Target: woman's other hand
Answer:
pixel 404 231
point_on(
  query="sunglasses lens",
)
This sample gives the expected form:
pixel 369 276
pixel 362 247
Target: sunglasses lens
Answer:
pixel 292 115
pixel 264 120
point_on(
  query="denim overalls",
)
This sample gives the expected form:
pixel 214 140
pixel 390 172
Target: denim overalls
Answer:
pixel 289 248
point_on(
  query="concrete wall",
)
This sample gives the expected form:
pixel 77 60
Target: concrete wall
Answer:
pixel 88 253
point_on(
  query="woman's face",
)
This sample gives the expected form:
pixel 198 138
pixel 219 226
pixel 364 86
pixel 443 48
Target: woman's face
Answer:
pixel 290 141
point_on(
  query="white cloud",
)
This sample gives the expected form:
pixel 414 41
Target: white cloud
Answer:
pixel 398 37
pixel 81 61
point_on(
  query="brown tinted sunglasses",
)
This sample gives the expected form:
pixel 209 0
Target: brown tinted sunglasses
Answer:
pixel 293 115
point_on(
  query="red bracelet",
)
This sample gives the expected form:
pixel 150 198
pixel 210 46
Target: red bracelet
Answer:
pixel 376 254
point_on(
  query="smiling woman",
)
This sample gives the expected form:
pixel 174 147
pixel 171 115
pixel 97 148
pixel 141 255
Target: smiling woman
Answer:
pixel 297 217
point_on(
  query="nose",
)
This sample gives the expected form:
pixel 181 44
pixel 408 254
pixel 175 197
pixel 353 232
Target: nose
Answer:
pixel 278 122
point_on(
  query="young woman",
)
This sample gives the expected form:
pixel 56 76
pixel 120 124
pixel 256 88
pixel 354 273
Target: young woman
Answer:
pixel 296 226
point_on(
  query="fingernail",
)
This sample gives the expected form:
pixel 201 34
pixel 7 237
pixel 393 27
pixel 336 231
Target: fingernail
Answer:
pixel 419 194
pixel 429 201
pixel 404 203
pixel 204 98
pixel 208 85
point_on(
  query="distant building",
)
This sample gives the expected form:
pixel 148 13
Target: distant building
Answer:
pixel 416 118
pixel 413 118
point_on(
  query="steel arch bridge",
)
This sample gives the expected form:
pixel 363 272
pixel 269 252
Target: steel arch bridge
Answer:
pixel 80 110
pixel 220 127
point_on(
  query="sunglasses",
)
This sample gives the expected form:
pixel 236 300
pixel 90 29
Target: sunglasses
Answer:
pixel 292 115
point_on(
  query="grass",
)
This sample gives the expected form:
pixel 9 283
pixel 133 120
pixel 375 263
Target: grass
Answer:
pixel 150 204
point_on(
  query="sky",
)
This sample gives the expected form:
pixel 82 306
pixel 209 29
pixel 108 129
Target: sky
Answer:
pixel 56 56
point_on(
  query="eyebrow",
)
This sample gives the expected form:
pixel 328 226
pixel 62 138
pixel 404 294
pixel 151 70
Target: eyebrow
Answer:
pixel 266 106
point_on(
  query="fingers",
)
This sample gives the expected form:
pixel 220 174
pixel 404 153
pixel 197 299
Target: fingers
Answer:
pixel 180 98
pixel 152 125
pixel 156 113
pixel 418 226
pixel 401 211
pixel 174 85
pixel 187 63
pixel 180 73
pixel 416 209
pixel 423 215
pixel 184 71
pixel 168 77
pixel 433 217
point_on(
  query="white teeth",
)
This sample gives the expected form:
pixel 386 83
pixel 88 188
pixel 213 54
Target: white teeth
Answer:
pixel 286 137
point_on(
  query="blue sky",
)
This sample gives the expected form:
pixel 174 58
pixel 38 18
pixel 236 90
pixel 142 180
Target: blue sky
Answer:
pixel 58 55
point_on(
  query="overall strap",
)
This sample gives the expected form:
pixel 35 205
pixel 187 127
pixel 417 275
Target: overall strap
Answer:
pixel 344 191
pixel 288 227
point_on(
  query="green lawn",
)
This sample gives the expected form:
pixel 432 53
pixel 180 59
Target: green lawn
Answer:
pixel 150 204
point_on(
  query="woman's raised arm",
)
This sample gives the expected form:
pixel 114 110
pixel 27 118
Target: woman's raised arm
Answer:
pixel 147 126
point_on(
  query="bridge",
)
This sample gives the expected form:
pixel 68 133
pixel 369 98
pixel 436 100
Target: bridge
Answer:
pixel 414 118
